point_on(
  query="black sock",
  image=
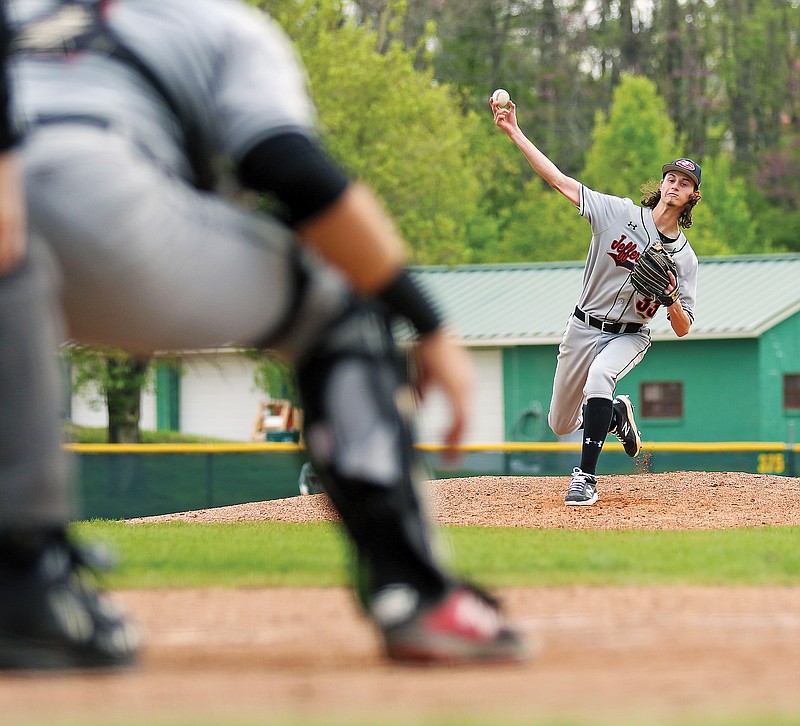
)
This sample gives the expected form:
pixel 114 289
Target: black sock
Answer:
pixel 596 421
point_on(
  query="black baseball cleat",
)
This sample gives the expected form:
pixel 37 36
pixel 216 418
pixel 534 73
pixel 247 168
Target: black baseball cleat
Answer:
pixel 624 426
pixel 582 490
pixel 52 617
pixel 465 626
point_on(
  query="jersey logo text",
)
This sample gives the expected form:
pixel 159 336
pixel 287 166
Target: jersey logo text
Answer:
pixel 625 253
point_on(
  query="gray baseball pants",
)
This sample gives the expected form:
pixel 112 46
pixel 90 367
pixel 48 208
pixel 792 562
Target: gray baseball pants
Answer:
pixel 590 364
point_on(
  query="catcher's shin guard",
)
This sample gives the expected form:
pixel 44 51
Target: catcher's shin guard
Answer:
pixel 360 443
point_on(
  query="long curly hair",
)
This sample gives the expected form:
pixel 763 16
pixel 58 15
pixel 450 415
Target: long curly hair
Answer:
pixel 651 192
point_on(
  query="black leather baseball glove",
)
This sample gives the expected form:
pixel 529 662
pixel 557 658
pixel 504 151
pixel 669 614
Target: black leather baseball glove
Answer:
pixel 649 276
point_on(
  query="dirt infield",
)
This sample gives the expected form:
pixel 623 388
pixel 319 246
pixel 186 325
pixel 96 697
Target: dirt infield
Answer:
pixel 603 655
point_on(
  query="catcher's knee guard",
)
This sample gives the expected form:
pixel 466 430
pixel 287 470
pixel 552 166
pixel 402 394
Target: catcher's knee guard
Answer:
pixel 359 438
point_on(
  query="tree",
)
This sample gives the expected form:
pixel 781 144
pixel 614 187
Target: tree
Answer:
pixel 683 39
pixel 406 21
pixel 113 378
pixel 392 126
pixel 779 173
pixel 758 65
pixel 496 171
pixel 776 196
pixel 723 224
pixel 275 376
pixel 529 48
pixel 543 227
pixel 631 142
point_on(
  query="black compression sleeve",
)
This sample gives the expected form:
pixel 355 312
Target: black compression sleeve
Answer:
pixel 403 296
pixel 296 172
pixel 7 136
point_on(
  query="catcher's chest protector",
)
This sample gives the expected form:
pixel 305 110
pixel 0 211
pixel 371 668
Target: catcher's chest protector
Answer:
pixel 81 27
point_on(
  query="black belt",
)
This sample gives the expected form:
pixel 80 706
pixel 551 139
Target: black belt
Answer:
pixel 605 326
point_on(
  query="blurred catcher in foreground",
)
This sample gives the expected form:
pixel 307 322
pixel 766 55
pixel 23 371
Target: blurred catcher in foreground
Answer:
pixel 121 179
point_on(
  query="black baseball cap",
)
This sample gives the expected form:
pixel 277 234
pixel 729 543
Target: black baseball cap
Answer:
pixel 687 166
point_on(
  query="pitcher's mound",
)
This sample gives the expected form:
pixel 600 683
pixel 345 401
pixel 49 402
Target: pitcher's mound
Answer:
pixel 676 500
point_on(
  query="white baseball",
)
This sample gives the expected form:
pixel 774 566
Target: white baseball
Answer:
pixel 501 97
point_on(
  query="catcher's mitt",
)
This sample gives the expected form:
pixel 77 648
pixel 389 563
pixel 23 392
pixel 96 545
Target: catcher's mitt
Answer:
pixel 650 277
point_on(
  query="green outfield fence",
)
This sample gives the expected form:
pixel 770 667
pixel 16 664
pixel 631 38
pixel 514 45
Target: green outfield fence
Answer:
pixel 119 481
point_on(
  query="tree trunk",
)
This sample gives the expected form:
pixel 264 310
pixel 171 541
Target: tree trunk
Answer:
pixel 123 398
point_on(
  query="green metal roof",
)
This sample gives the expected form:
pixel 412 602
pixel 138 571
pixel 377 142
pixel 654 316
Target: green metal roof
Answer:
pixel 529 304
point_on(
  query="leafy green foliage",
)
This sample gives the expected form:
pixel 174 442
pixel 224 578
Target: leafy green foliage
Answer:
pixel 632 142
pixel 114 378
pixel 74 434
pixel 419 131
pixel 396 129
pixel 780 228
pixel 275 376
pixel 495 164
pixel 544 226
pixel 722 220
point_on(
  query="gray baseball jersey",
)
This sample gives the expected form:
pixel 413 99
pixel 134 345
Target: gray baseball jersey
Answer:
pixel 621 230
pixel 109 187
pixel 228 67
pixel 591 362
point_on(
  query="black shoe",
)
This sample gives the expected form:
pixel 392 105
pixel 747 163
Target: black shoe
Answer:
pixel 582 490
pixel 51 617
pixel 625 427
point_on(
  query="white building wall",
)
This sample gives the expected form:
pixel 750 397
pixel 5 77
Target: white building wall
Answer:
pixel 89 409
pixel 488 405
pixel 218 398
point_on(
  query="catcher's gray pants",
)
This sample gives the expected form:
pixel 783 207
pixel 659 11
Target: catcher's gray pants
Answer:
pixel 590 363
pixel 150 263
pixel 34 481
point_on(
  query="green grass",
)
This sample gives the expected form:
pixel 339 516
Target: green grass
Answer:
pixel 241 554
pixel 749 556
pixel 271 554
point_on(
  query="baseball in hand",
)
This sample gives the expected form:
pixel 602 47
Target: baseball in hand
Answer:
pixel 501 97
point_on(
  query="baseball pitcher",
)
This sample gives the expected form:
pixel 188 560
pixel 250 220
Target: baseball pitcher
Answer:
pixel 639 261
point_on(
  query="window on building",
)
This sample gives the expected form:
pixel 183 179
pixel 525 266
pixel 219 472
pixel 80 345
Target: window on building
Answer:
pixel 791 390
pixel 661 399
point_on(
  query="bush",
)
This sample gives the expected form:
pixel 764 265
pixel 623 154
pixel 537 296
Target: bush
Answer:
pixel 74 434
